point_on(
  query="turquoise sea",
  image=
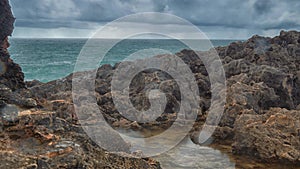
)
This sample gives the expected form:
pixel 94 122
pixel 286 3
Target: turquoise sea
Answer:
pixel 50 59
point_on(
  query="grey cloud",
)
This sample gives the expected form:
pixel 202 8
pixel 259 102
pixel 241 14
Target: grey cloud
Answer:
pixel 263 6
pixel 252 14
pixel 45 9
pixel 47 23
pixel 243 14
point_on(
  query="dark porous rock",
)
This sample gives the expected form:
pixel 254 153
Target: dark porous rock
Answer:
pixel 272 137
pixel 6 20
pixel 15 97
pixel 10 73
pixel 32 83
pixel 42 139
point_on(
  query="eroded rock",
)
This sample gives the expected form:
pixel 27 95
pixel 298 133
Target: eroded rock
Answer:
pixel 271 136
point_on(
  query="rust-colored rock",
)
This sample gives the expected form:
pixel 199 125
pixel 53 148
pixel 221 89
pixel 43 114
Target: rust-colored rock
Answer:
pixel 271 136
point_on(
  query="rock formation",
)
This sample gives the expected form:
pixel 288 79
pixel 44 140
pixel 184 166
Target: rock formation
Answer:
pixel 39 126
pixel 272 136
pixel 32 136
pixel 11 74
pixel 263 94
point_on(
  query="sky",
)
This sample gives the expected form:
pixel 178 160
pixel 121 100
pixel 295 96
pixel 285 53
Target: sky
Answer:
pixel 218 19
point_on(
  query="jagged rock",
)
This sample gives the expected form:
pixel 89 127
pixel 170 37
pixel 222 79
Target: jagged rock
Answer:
pixel 241 97
pixel 272 136
pixel 10 73
pixel 14 97
pixel 44 139
pixel 6 20
pixel 32 83
pixel 261 73
pixel 44 132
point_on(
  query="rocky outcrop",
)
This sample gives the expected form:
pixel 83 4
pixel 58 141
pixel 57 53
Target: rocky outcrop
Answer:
pixel 6 20
pixel 272 136
pixel 263 81
pixel 40 139
pixel 260 115
pixel 11 74
pixel 42 132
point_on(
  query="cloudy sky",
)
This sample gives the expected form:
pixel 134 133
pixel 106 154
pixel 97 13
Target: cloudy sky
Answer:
pixel 219 19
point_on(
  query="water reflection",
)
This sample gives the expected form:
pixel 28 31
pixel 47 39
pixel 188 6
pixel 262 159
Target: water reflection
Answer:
pixel 184 155
pixel 189 155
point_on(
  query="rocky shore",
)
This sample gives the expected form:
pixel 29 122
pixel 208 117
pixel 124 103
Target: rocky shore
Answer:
pixel 261 118
pixel 39 126
pixel 34 135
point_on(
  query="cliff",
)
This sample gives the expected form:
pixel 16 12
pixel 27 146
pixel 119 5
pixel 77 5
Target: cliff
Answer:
pixel 35 137
pixel 11 74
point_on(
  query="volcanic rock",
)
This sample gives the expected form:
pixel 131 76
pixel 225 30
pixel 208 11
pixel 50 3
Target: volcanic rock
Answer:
pixel 271 136
pixel 262 74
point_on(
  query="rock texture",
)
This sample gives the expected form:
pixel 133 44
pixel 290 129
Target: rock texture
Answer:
pixel 271 136
pixel 6 20
pixel 11 74
pixel 263 82
pixel 48 136
pixel 40 139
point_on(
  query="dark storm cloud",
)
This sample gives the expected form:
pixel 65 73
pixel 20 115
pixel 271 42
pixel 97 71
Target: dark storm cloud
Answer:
pixel 262 14
pixel 236 14
pixel 263 6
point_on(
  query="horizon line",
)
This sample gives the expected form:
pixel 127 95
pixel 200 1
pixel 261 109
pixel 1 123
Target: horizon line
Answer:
pixel 237 39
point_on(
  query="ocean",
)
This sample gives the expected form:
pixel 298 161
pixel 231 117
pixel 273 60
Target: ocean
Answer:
pixel 49 59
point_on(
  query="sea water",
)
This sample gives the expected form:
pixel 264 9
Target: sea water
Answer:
pixel 50 59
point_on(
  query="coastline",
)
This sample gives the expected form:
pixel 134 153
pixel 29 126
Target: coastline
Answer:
pixel 39 126
pixel 56 96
